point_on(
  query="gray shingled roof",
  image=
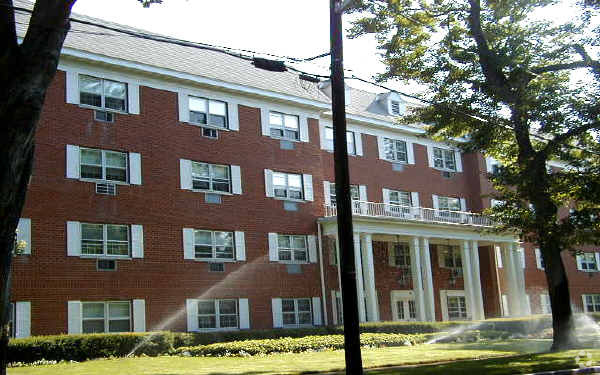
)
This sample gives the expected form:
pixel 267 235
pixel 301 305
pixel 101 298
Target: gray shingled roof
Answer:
pixel 202 63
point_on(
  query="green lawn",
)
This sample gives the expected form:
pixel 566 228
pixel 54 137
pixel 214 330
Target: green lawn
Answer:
pixel 313 362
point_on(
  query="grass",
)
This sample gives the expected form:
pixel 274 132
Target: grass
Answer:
pixel 324 361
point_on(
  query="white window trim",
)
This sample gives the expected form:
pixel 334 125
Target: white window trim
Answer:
pixel 583 297
pixel 231 103
pixel 106 318
pixel 405 296
pixel 210 178
pixel 580 259
pixel 457 157
pixel 72 88
pixel 218 315
pixel 296 313
pixel 207 125
pixel 104 180
pixel 214 259
pixel 303 127
pixel 105 241
pixel 293 261
pixel 24 234
pixel 444 302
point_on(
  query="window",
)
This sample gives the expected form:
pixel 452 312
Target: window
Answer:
pixel 213 245
pixel 406 309
pixel 287 185
pixel 296 312
pixel 444 159
pixel 395 105
pixel 457 308
pixel 208 112
pixel 450 256
pixel 211 177
pixel 104 239
pixel 100 317
pixel 284 126
pixel 400 198
pixel 292 248
pixel 218 314
pixel 401 254
pixel 588 262
pixel 103 165
pixel 539 259
pixel 591 302
pixel 339 308
pixel 395 150
pixel 448 204
pixel 103 93
pixel 354 193
pixel 349 140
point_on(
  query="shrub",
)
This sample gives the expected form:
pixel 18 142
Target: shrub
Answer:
pixel 297 345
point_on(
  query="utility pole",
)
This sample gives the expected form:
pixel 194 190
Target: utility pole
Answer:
pixel 342 191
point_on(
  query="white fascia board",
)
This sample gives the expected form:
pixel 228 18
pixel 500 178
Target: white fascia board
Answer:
pixel 70 52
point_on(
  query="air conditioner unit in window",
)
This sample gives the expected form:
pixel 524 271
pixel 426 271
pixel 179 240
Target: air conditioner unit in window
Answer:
pixel 106 265
pixel 216 267
pixel 106 188
pixel 447 174
pixel 104 116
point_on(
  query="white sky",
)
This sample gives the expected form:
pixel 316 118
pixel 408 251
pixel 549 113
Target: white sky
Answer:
pixel 282 27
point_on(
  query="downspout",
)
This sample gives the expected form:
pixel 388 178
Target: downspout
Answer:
pixel 323 295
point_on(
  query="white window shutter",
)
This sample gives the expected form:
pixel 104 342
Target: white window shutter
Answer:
pixel 135 168
pixel 327 193
pixel 23 319
pixel 380 147
pixel 188 244
pixel 430 156
pixel 538 258
pixel 322 136
pixel 185 174
pixel 139 315
pixel 236 179
pixel 304 136
pixel 414 199
pixel 498 256
pixel 244 313
pixel 133 97
pixel 73 238
pixel 269 183
pixel 308 187
pixel 505 311
pixel 362 193
pixel 458 158
pixel 277 313
pixel 316 310
pixel 436 203
pixel 358 143
pixel 411 152
pixel 312 248
pixel 72 85
pixel 24 234
pixel 597 255
pixel 240 246
pixel 184 107
pixel 579 259
pixel 74 317
pixel 233 116
pixel 191 306
pixel 72 161
pixel 137 241
pixel 582 298
pixel 386 196
pixel 273 248
pixel 463 204
pixel 264 121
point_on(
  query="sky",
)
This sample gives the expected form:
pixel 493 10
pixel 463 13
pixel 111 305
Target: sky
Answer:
pixel 282 27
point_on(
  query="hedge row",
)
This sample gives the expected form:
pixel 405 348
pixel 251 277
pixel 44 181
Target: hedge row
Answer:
pixel 297 345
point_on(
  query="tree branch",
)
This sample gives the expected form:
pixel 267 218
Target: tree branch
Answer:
pixel 559 67
pixel 487 58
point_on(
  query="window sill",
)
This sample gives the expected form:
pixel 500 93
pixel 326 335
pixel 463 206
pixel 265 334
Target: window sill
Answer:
pixel 292 262
pixel 589 271
pixel 285 139
pixel 208 126
pixel 95 181
pixel 212 260
pixel 85 106
pixel 397 161
pixel 445 170
pixel 290 200
pixel 105 257
pixel 211 192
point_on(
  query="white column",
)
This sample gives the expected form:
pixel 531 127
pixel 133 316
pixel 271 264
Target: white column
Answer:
pixel 476 273
pixel 369 279
pixel 508 260
pixel 415 263
pixel 427 276
pixel 360 293
pixel 467 277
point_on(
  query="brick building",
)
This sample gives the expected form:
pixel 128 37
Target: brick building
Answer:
pixel 185 189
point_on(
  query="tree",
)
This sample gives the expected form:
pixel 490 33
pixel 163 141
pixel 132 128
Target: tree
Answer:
pixel 500 74
pixel 26 71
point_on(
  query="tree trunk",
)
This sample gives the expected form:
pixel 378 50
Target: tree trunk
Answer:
pixel 563 322
pixel 26 71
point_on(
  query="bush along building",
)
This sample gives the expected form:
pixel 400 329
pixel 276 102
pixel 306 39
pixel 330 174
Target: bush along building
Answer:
pixel 185 189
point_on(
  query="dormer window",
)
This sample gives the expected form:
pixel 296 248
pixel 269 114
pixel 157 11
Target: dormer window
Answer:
pixel 395 107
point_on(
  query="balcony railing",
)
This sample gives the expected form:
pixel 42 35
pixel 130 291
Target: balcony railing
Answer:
pixel 420 214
